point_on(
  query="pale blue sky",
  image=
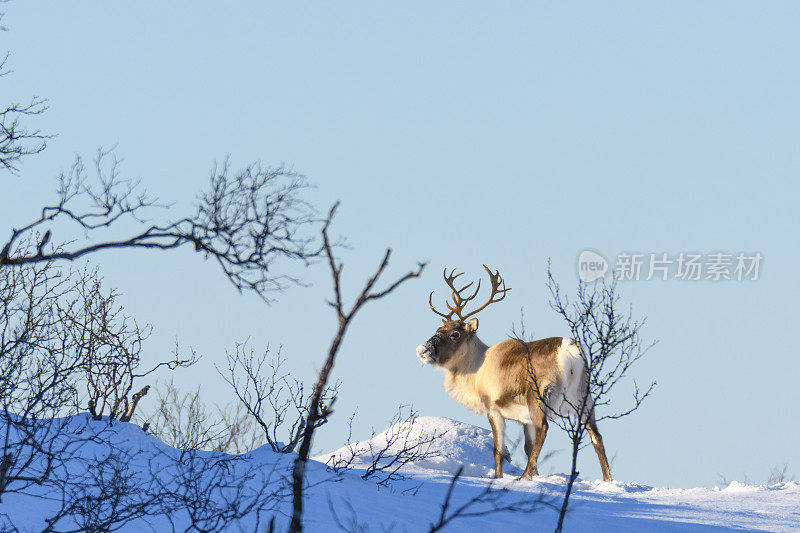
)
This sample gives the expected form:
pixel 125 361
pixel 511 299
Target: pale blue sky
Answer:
pixel 461 133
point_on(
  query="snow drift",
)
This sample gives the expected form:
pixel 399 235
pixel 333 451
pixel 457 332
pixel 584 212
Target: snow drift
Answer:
pixel 413 503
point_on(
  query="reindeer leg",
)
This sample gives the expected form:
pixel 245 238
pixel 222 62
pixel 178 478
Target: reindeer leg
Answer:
pixel 597 442
pixel 533 446
pixel 528 430
pixel 498 424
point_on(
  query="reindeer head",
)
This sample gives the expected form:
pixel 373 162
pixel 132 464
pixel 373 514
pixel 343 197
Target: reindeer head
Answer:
pixel 454 335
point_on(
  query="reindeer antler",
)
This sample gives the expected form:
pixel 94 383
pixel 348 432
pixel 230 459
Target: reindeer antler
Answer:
pixel 459 301
pixel 496 281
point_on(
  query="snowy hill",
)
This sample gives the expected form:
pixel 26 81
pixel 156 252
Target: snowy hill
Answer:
pixel 414 502
pixel 455 444
pixel 597 505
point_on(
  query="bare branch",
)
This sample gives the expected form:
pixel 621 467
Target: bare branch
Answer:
pixel 610 344
pixel 245 221
pixel 384 456
pixel 277 403
pixel 317 410
pixel 16 139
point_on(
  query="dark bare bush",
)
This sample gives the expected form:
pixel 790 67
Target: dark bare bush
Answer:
pixel 178 489
pixel 278 403
pixel 47 451
pixel 199 485
pixel 40 375
pixel 384 456
pixel 64 343
pixel 610 344
pixel 108 345
pixel 103 492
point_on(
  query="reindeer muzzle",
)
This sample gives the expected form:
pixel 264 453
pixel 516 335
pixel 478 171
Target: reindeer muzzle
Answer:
pixel 427 352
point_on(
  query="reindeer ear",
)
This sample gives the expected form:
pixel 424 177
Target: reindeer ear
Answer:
pixel 472 325
pixel 444 322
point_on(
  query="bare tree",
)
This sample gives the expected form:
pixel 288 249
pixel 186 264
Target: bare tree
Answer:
pixel 17 139
pixel 278 403
pixel 41 379
pixel 247 220
pixel 240 432
pixel 610 344
pixel 212 490
pixel 39 375
pixel 318 409
pixel 64 342
pixel 181 489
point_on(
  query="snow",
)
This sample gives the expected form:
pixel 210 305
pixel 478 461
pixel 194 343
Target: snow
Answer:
pixel 413 503
pixel 460 445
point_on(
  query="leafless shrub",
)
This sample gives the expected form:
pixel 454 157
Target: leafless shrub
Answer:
pixel 239 433
pixel 39 374
pixel 319 409
pixel 383 458
pixel 277 402
pixel 779 474
pixel 108 344
pixel 188 489
pixel 47 451
pixel 183 421
pixel 247 220
pixel 610 344
pixel 207 490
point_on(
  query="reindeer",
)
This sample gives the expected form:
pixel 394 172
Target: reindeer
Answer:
pixel 512 380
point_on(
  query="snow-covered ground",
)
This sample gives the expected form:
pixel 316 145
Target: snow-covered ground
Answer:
pixel 414 502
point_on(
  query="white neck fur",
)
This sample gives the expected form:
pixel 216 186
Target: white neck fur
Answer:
pixel 459 377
